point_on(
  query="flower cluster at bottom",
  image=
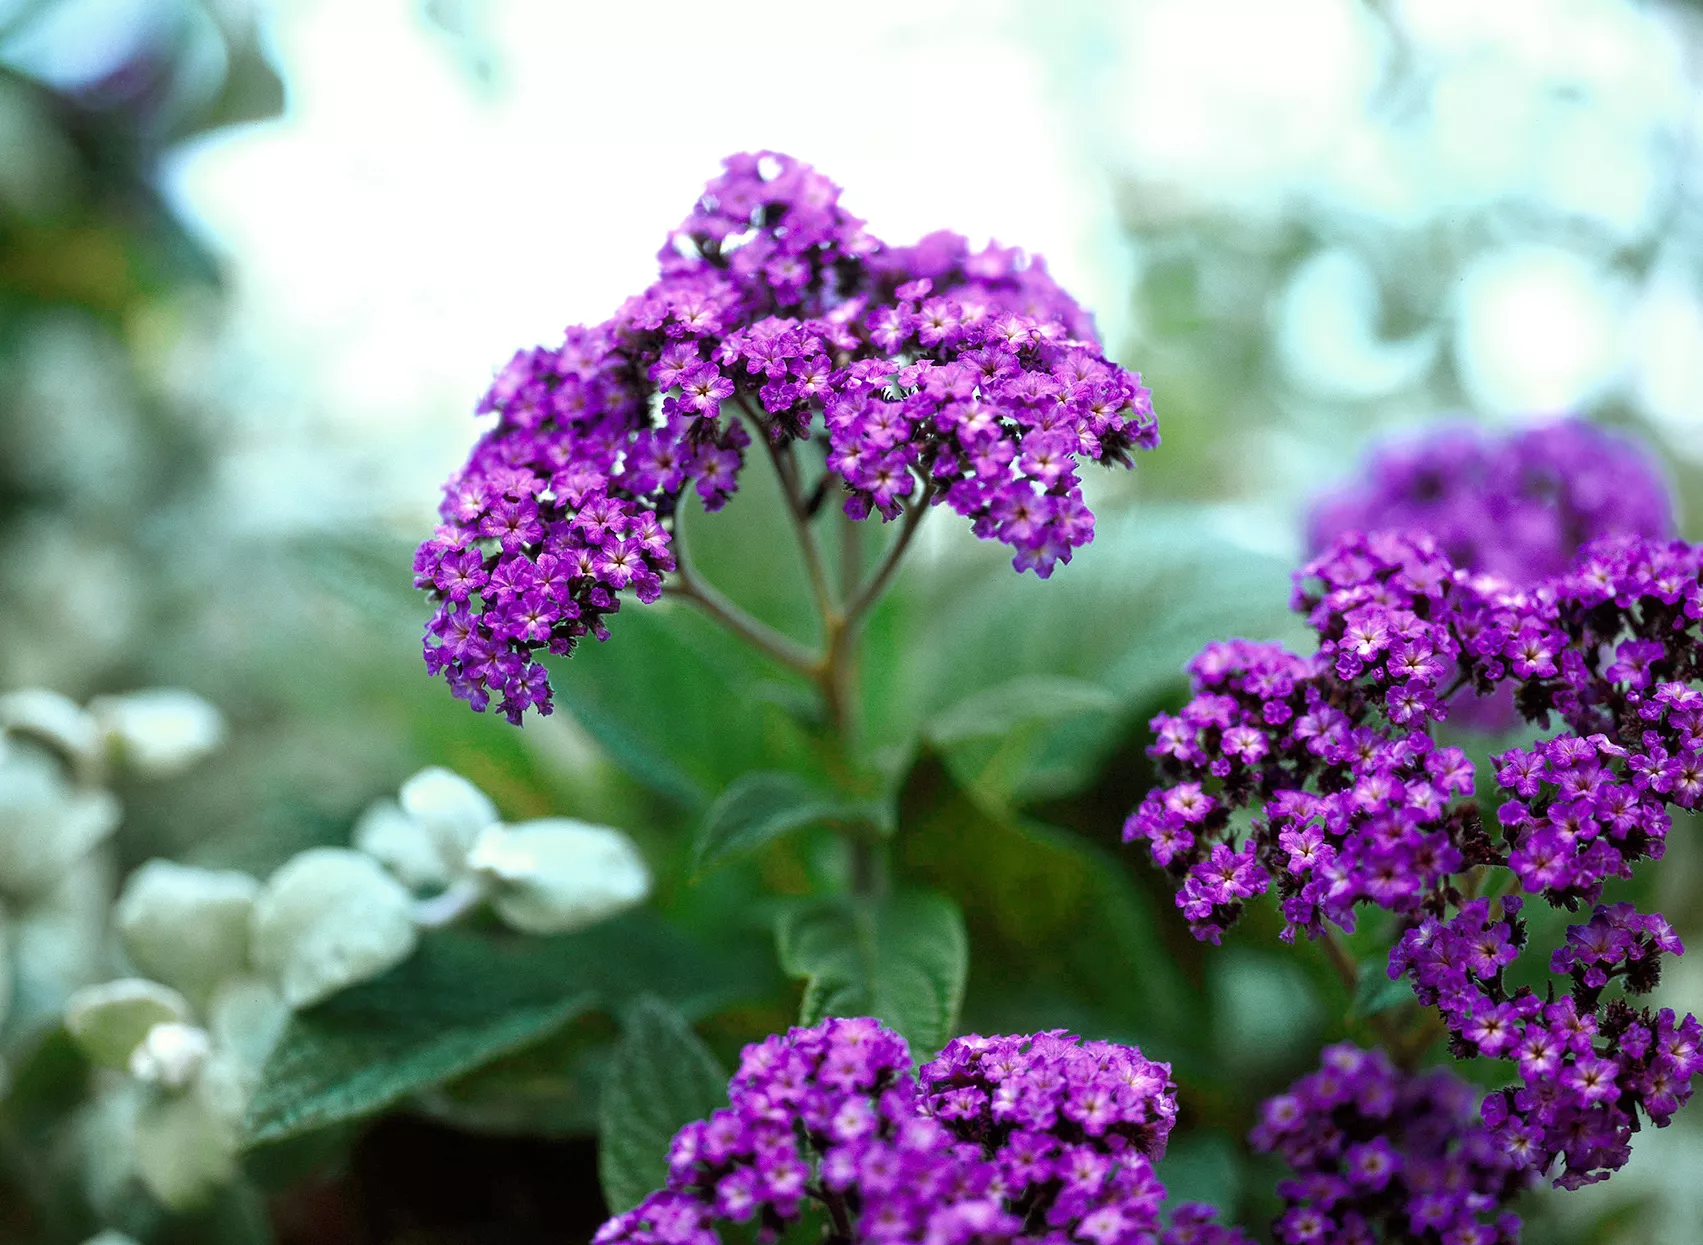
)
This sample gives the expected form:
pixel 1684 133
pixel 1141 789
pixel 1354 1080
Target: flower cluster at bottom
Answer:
pixel 1038 1138
pixel 1380 1154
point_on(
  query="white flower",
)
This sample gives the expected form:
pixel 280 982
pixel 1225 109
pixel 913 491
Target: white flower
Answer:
pixel 403 845
pixel 556 874
pixel 46 823
pixel 452 810
pixel 185 926
pixel 58 720
pixel 328 919
pixel 171 1055
pixel 111 1020
pixel 160 731
pixel 186 1143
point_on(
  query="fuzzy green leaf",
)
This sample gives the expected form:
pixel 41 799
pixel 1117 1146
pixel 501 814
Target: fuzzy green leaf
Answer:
pixel 902 959
pixel 764 805
pixel 661 1077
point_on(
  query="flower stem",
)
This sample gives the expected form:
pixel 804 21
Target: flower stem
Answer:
pixel 834 669
pixel 687 585
pixel 1391 1037
pixel 871 591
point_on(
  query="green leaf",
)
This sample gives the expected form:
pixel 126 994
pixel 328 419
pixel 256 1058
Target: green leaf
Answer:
pixel 464 1000
pixel 1375 992
pixel 661 1078
pixel 902 959
pixel 1025 700
pixel 764 805
pixel 671 700
pixel 1062 933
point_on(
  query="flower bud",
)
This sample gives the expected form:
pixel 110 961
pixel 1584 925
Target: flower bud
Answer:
pixel 452 810
pixel 160 731
pixel 557 874
pixel 110 1020
pixel 185 926
pixel 171 1055
pixel 46 823
pixel 328 919
pixel 403 845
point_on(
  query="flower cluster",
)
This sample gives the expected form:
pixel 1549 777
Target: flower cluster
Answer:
pixel 1350 800
pixel 1587 1063
pixel 1516 504
pixel 1006 1139
pixel 926 374
pixel 1358 802
pixel 1379 1154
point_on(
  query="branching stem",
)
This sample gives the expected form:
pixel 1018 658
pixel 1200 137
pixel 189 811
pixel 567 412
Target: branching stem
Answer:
pixel 833 670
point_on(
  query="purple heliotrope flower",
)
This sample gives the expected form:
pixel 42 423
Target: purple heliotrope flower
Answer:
pixel 1383 1155
pixel 1519 504
pixel 1350 800
pixel 929 374
pixel 1039 1138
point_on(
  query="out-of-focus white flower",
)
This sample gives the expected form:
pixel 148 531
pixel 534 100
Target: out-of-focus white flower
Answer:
pixel 110 1020
pixel 186 1143
pixel 185 926
pixel 111 1237
pixel 58 942
pixel 452 810
pixel 556 874
pixel 46 822
pixel 328 919
pixel 57 719
pixel 246 1017
pixel 171 1055
pixel 403 845
pixel 159 731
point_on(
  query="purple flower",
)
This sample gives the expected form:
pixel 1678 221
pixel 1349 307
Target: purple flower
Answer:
pixel 927 375
pixel 1005 1139
pixel 1380 1154
pixel 1518 504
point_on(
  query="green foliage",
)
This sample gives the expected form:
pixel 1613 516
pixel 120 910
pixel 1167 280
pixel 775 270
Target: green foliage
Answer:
pixel 661 1077
pixel 671 703
pixel 764 805
pixel 1057 926
pixel 1375 992
pixel 1007 707
pixel 462 1001
pixel 902 958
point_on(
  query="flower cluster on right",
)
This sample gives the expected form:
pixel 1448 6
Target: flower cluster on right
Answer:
pixel 1321 777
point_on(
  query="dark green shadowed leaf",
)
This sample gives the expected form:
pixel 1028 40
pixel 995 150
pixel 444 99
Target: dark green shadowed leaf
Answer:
pixel 764 805
pixel 464 1000
pixel 1062 935
pixel 902 959
pixel 661 1078
pixel 1026 700
pixel 671 698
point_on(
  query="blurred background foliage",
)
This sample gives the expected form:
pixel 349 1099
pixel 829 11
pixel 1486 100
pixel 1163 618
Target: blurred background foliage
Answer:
pixel 255 263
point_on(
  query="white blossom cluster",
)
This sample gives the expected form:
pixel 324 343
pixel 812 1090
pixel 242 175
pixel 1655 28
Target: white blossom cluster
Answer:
pixel 179 990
